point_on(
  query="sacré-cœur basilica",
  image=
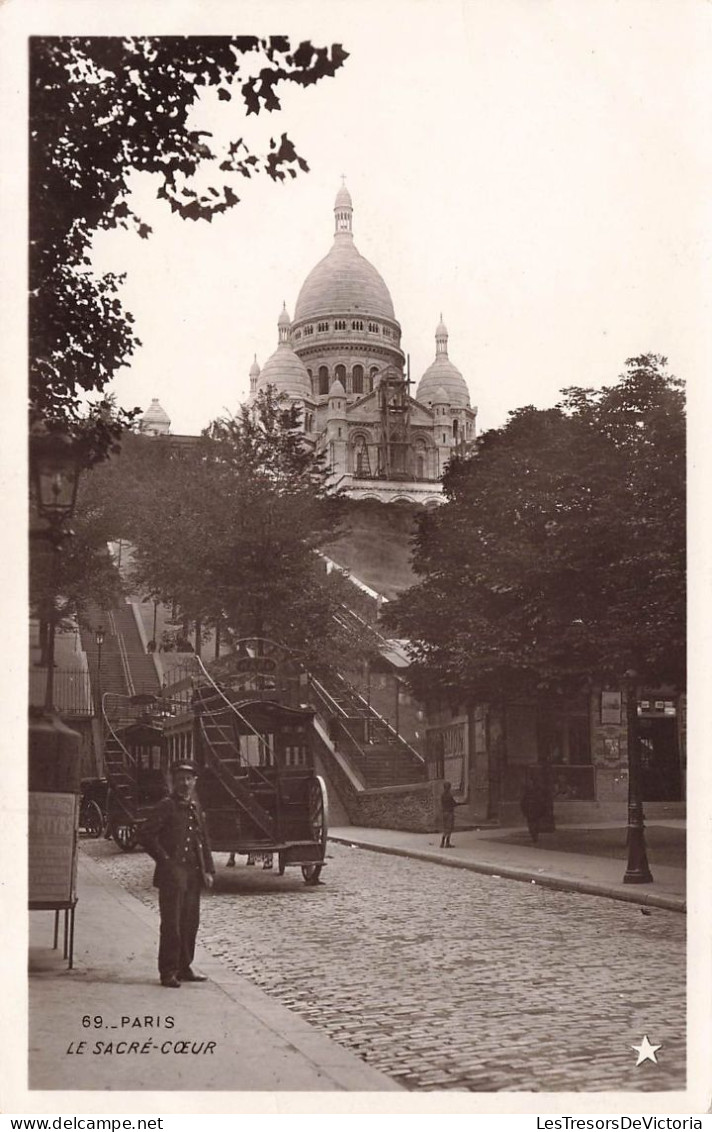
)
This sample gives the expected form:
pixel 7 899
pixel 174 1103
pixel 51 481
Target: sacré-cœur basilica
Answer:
pixel 341 361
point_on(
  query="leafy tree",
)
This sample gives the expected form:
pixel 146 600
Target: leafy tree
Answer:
pixel 100 109
pixel 230 528
pixel 559 556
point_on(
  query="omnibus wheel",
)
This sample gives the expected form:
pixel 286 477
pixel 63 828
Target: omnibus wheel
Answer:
pixel 319 824
pixel 124 834
pixel 92 818
pixel 311 874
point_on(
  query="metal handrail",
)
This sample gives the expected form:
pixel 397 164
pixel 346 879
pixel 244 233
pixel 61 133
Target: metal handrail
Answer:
pixel 387 724
pixel 123 655
pixel 230 704
pixel 109 725
pixel 325 697
pixel 127 755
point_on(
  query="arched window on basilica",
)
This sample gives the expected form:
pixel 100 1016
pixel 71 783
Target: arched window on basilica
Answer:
pixel 420 460
pixel 372 379
pixel 340 375
pixel 323 380
pixel 357 379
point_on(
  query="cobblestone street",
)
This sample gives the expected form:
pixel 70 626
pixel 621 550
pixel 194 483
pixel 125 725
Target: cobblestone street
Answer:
pixel 446 979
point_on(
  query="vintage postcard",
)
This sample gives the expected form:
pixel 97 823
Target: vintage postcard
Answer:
pixel 364 775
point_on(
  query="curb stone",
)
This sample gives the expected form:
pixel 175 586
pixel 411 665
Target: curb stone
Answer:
pixel 509 872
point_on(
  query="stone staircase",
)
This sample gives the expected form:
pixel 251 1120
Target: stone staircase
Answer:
pixel 377 752
pixel 126 669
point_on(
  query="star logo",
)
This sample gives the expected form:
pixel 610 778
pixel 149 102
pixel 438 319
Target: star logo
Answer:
pixel 646 1051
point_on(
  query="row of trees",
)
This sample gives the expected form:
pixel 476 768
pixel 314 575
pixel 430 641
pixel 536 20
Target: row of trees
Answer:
pixel 559 556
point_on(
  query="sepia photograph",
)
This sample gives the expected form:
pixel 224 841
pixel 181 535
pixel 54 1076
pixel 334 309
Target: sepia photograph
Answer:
pixel 359 343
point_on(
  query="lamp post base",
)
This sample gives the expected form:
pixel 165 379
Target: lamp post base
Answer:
pixel 637 870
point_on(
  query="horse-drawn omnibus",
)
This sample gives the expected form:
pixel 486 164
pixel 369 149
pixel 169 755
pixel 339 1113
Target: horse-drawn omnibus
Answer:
pixel 251 740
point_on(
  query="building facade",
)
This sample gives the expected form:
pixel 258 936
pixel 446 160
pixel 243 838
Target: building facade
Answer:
pixel 487 752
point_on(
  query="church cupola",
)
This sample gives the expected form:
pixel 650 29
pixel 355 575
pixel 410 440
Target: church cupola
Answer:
pixel 284 326
pixel 442 376
pixel 343 212
pixel 337 399
pixel 254 375
pixel 284 370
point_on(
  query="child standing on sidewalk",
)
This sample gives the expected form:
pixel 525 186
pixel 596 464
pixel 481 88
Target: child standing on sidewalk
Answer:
pixel 447 803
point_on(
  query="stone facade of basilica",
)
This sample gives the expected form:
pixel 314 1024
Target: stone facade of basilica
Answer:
pixel 341 360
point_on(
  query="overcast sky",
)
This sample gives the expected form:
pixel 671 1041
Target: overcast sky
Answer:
pixel 532 170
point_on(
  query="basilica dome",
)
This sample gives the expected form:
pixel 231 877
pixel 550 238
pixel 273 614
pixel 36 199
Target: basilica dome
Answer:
pixel 284 369
pixel 443 377
pixel 343 282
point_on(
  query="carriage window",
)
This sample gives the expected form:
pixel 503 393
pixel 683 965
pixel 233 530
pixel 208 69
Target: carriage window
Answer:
pixel 295 756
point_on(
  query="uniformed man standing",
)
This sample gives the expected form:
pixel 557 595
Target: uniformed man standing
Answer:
pixel 176 837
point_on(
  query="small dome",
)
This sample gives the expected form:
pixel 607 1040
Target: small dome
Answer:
pixel 285 371
pixel 254 368
pixel 443 377
pixel 337 389
pixel 155 419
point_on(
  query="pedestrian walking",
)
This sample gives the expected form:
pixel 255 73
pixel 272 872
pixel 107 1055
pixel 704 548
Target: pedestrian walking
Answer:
pixel 447 804
pixel 536 804
pixel 175 835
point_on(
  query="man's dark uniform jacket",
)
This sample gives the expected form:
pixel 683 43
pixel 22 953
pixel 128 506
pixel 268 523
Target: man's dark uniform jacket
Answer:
pixel 175 834
pixel 176 837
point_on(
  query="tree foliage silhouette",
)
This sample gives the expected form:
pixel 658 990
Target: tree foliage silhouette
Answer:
pixel 559 556
pixel 101 109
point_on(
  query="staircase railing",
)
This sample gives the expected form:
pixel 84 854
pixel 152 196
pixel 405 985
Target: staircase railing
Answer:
pixel 126 755
pixel 228 702
pixel 396 735
pixel 123 655
pixel 335 709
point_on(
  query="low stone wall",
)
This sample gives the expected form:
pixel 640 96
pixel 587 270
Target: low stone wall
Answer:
pixel 415 808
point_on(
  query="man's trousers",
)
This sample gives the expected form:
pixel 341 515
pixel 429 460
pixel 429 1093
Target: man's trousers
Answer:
pixel 179 903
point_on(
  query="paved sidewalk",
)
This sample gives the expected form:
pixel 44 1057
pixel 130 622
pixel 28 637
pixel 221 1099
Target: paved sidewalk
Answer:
pixel 484 851
pixel 225 1034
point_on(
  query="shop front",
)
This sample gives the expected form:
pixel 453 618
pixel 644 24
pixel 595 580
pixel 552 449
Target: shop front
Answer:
pixel 488 752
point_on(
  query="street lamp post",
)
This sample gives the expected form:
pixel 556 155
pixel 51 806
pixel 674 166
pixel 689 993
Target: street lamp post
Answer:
pixel 99 636
pixel 55 467
pixel 637 870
